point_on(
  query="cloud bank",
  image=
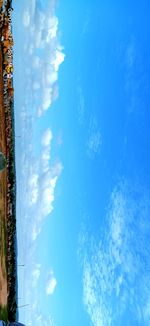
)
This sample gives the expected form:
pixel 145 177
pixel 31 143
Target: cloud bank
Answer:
pixel 38 55
pixel 40 184
pixel 43 54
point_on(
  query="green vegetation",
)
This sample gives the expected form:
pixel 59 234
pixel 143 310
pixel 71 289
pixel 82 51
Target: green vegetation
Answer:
pixel 3 245
pixel 3 313
pixel 2 161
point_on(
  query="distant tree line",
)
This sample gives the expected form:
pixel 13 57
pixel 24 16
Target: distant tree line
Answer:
pixel 11 230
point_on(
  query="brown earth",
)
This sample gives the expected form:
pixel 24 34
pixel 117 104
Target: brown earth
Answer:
pixel 3 192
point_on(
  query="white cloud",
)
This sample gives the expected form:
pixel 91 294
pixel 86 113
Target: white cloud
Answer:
pixel 47 137
pixel 38 181
pixel 81 105
pixel 46 197
pixel 26 18
pixel 33 189
pixel 43 35
pixel 39 171
pixel 36 230
pixel 51 284
pixel 52 26
pixel 40 321
pixel 135 89
pixel 94 141
pixel 42 184
pixel 116 270
pixel 36 272
pixel 36 316
pixel 58 59
pixel 93 138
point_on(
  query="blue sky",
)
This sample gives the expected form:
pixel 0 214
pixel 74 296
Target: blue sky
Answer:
pixel 82 154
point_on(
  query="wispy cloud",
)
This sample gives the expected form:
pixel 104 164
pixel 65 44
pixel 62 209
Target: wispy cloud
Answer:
pixel 81 105
pixel 135 74
pixel 116 270
pixel 94 141
pixel 36 272
pixel 86 23
pixel 131 54
pixel 37 316
pixel 26 18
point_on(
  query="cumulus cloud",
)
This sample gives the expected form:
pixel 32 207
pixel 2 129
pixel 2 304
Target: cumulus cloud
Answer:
pixel 33 188
pixel 47 137
pixel 51 283
pixel 38 180
pixel 45 52
pixel 37 184
pixel 38 60
pixel 44 183
pixel 116 270
pixel 40 195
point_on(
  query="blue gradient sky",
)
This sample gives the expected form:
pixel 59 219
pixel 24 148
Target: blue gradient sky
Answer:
pixel 82 155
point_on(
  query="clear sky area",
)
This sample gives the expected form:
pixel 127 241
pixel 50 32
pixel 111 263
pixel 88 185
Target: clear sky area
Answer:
pixel 82 119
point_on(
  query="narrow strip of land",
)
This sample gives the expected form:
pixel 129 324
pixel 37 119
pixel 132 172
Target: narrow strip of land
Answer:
pixel 3 198
pixel 8 273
